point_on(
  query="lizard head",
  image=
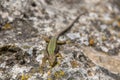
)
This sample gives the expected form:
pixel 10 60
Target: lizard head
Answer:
pixel 52 61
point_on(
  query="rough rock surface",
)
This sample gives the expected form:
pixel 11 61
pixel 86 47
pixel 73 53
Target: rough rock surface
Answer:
pixel 92 54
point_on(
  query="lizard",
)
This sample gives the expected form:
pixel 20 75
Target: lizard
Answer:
pixel 51 48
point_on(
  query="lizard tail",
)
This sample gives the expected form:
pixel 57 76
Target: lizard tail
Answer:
pixel 69 26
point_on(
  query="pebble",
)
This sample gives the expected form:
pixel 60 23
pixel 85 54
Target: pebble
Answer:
pixel 103 27
pixel 73 36
pixel 4 15
pixel 105 49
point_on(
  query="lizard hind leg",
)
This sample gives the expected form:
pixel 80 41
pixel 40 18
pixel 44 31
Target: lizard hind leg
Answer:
pixel 64 42
pixel 61 42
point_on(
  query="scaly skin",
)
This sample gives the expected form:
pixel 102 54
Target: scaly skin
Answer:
pixel 51 55
pixel 51 48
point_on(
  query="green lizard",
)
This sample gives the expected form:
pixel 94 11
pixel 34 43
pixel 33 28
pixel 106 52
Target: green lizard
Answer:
pixel 51 49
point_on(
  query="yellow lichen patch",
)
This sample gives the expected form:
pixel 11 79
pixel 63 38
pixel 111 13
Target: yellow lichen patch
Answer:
pixel 74 64
pixel 49 72
pixel 49 79
pixel 104 38
pixel 59 74
pixel 25 77
pixel 91 42
pixel 7 26
pixel 26 46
